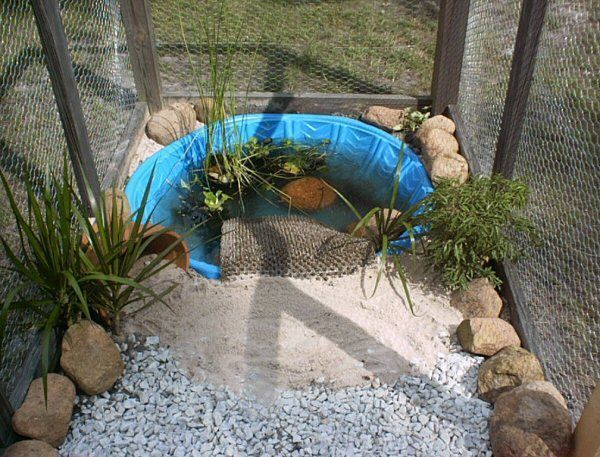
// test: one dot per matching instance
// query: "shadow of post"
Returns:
(379, 360)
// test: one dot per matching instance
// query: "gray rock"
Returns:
(414, 416)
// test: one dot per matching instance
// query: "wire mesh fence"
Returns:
(355, 46)
(559, 157)
(489, 43)
(32, 141)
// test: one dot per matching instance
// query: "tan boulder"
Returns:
(507, 369)
(171, 123)
(30, 448)
(382, 117)
(46, 423)
(436, 142)
(480, 299)
(486, 335)
(442, 167)
(437, 122)
(308, 194)
(113, 196)
(531, 420)
(90, 357)
(205, 108)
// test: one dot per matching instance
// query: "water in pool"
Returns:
(339, 171)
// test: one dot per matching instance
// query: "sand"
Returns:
(264, 334)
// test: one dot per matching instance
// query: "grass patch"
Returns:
(355, 46)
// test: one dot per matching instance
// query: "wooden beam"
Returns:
(130, 141)
(310, 103)
(451, 34)
(531, 23)
(139, 29)
(66, 94)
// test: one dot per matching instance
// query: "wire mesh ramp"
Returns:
(292, 246)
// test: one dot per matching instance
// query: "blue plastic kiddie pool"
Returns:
(374, 151)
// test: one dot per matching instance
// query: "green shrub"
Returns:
(474, 224)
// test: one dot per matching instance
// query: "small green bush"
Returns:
(474, 224)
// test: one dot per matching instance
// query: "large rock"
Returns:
(31, 448)
(116, 197)
(531, 420)
(437, 142)
(443, 167)
(480, 299)
(509, 368)
(382, 117)
(486, 335)
(437, 122)
(171, 123)
(50, 424)
(90, 357)
(308, 194)
(204, 109)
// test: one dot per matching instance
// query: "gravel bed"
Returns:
(156, 410)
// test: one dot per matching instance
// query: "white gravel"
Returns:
(155, 410)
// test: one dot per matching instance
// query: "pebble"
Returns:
(155, 409)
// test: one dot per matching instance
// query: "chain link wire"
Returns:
(559, 157)
(31, 137)
(323, 46)
(489, 44)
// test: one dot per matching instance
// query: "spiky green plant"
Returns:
(48, 261)
(383, 225)
(474, 224)
(116, 243)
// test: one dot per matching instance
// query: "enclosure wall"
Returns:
(355, 46)
(32, 141)
(556, 283)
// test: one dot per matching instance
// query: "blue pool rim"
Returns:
(376, 149)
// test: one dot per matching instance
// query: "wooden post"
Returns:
(531, 22)
(60, 68)
(142, 49)
(452, 30)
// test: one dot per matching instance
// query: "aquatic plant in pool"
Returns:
(360, 162)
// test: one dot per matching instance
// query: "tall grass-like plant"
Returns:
(474, 224)
(217, 97)
(48, 260)
(70, 263)
(383, 225)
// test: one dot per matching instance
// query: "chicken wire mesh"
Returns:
(559, 157)
(489, 43)
(327, 46)
(31, 137)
